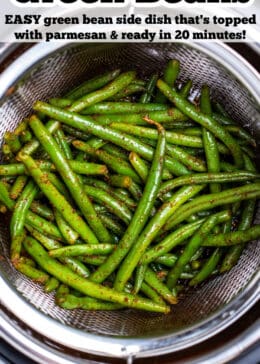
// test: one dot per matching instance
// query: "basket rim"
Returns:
(138, 347)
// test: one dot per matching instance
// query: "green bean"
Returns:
(208, 202)
(32, 219)
(82, 249)
(123, 199)
(150, 231)
(93, 259)
(208, 268)
(19, 216)
(209, 140)
(42, 210)
(249, 151)
(113, 205)
(17, 169)
(88, 168)
(80, 156)
(131, 89)
(51, 285)
(151, 293)
(18, 186)
(249, 164)
(121, 139)
(219, 108)
(76, 266)
(109, 90)
(188, 275)
(92, 84)
(35, 274)
(58, 200)
(233, 238)
(12, 141)
(193, 131)
(139, 165)
(225, 177)
(232, 257)
(71, 181)
(195, 242)
(138, 82)
(193, 163)
(142, 168)
(26, 136)
(205, 104)
(167, 259)
(122, 192)
(139, 277)
(171, 137)
(75, 133)
(199, 252)
(135, 190)
(228, 167)
(223, 119)
(165, 117)
(170, 241)
(196, 152)
(112, 225)
(157, 268)
(43, 226)
(196, 264)
(41, 116)
(125, 196)
(7, 182)
(122, 107)
(96, 143)
(54, 179)
(116, 164)
(33, 145)
(27, 261)
(227, 226)
(180, 155)
(72, 263)
(170, 75)
(191, 218)
(152, 280)
(21, 127)
(234, 253)
(118, 180)
(16, 246)
(115, 150)
(70, 235)
(63, 290)
(236, 207)
(13, 169)
(149, 89)
(141, 214)
(205, 120)
(60, 102)
(70, 302)
(85, 286)
(61, 140)
(185, 89)
(241, 133)
(6, 150)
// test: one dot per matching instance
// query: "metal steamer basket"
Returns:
(29, 318)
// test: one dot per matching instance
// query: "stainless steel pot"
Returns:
(49, 70)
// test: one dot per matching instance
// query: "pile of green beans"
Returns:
(125, 192)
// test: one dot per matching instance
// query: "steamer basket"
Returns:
(49, 70)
